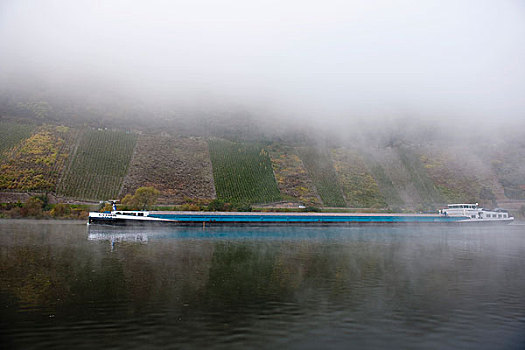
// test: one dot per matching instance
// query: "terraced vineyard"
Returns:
(36, 163)
(11, 134)
(454, 184)
(179, 167)
(378, 165)
(291, 175)
(242, 172)
(508, 164)
(99, 165)
(359, 187)
(403, 179)
(418, 177)
(321, 170)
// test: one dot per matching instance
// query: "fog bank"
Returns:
(332, 61)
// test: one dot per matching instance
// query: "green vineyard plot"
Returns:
(321, 170)
(242, 172)
(12, 134)
(100, 163)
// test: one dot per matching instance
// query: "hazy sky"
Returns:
(335, 59)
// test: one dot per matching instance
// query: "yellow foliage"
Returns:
(36, 163)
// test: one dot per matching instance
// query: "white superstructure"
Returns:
(475, 213)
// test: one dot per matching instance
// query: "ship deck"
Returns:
(265, 217)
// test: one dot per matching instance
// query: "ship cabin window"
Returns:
(504, 215)
(141, 214)
(119, 213)
(499, 215)
(473, 216)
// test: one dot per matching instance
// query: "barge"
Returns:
(454, 214)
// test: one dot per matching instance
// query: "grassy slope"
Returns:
(359, 186)
(321, 171)
(242, 172)
(179, 167)
(99, 165)
(291, 175)
(37, 162)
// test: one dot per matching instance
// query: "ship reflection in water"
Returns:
(117, 237)
(143, 234)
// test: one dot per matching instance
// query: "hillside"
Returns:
(179, 167)
(360, 189)
(11, 134)
(320, 168)
(292, 177)
(99, 165)
(36, 162)
(242, 172)
(86, 163)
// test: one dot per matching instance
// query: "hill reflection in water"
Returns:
(378, 287)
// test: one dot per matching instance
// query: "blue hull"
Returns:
(303, 219)
(269, 219)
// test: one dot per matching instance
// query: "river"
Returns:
(64, 285)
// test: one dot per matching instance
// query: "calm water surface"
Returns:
(66, 286)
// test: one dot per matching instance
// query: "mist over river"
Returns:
(66, 285)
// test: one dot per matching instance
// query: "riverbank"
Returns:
(43, 221)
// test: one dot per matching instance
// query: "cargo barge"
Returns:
(466, 214)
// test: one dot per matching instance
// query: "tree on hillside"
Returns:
(129, 202)
(146, 197)
(143, 199)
